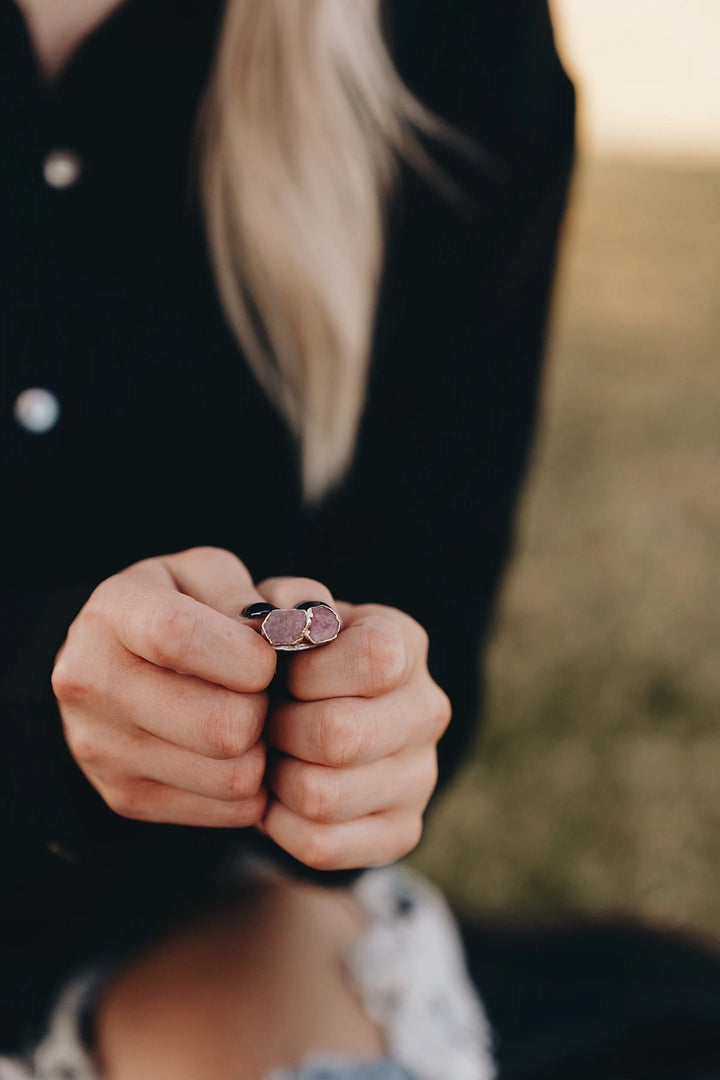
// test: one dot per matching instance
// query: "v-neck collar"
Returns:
(124, 17)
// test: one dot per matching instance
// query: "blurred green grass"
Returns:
(595, 783)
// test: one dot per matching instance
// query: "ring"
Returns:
(306, 626)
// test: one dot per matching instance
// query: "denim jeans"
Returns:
(347, 1070)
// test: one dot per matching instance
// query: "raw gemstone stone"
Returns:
(285, 626)
(324, 625)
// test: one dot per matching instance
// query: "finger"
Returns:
(180, 710)
(377, 651)
(330, 796)
(369, 841)
(175, 631)
(210, 721)
(119, 757)
(215, 577)
(146, 800)
(348, 731)
(287, 592)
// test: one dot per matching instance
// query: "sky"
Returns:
(648, 72)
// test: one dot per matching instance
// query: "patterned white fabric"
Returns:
(60, 1055)
(410, 972)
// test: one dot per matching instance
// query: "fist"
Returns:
(354, 758)
(162, 691)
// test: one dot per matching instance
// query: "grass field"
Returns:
(595, 786)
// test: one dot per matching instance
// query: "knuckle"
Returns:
(85, 748)
(226, 599)
(441, 710)
(258, 705)
(236, 786)
(319, 852)
(77, 679)
(248, 812)
(222, 735)
(104, 596)
(315, 590)
(384, 657)
(409, 835)
(257, 758)
(250, 716)
(414, 833)
(433, 771)
(340, 732)
(317, 795)
(259, 672)
(421, 638)
(287, 591)
(69, 679)
(246, 775)
(429, 777)
(209, 551)
(222, 558)
(172, 634)
(125, 800)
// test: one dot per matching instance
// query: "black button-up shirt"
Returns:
(163, 439)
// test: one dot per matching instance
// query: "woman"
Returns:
(271, 333)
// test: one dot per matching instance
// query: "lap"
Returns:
(248, 988)
(274, 978)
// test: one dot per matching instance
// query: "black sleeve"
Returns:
(424, 522)
(35, 759)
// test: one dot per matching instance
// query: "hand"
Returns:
(161, 691)
(357, 762)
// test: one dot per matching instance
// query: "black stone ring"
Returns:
(257, 611)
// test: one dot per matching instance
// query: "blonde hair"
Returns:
(303, 121)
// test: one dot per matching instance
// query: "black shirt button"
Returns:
(36, 410)
(62, 169)
(60, 852)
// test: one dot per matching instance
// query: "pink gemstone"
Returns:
(285, 626)
(324, 626)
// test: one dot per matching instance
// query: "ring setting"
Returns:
(307, 626)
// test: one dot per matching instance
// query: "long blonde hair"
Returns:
(303, 122)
